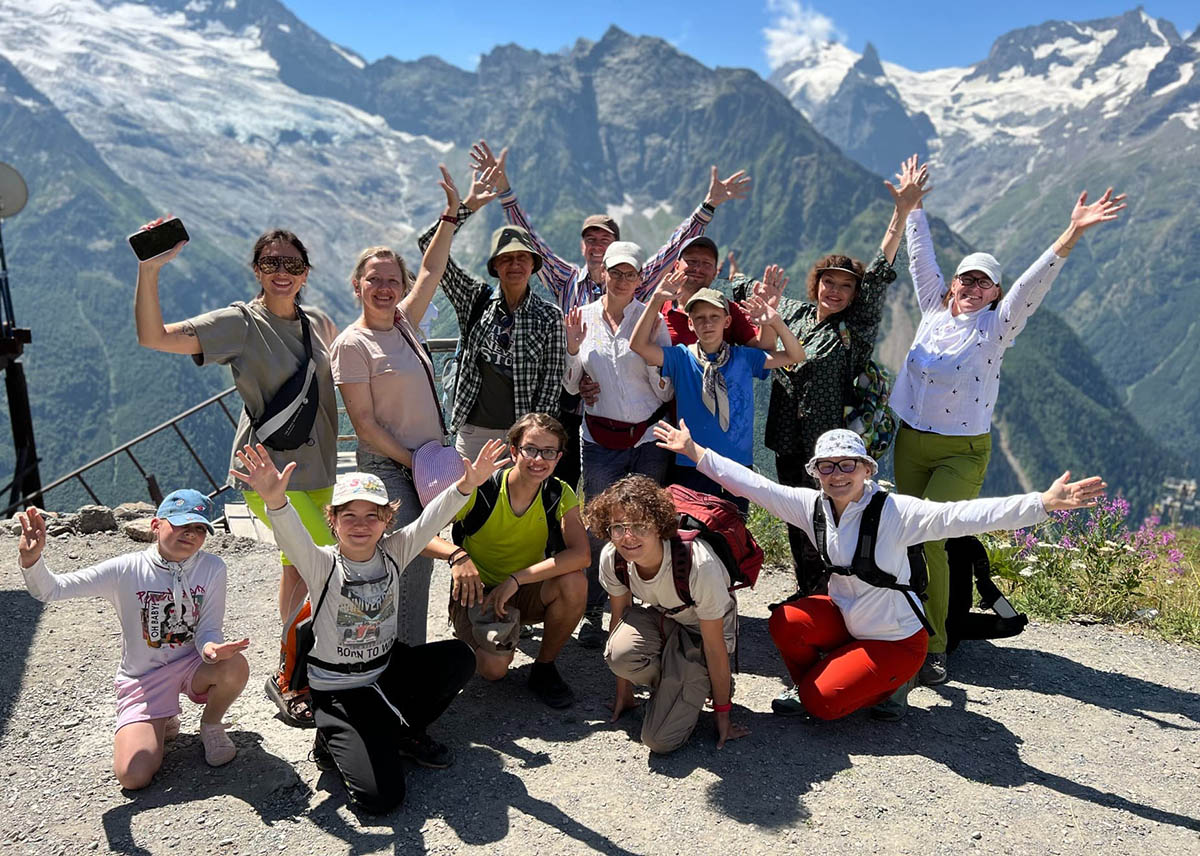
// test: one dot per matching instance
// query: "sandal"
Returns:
(294, 708)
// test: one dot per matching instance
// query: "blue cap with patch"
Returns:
(181, 507)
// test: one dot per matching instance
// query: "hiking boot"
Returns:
(788, 703)
(933, 673)
(171, 728)
(218, 748)
(592, 634)
(425, 751)
(896, 705)
(321, 756)
(548, 685)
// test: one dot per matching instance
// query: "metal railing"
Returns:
(436, 346)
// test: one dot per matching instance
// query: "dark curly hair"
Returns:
(633, 498)
(833, 261)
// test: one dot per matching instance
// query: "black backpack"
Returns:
(970, 571)
(863, 565)
(488, 493)
(287, 420)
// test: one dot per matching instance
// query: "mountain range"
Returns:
(238, 117)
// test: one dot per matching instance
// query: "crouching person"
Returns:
(679, 639)
(373, 696)
(523, 533)
(170, 601)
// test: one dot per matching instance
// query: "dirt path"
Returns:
(1063, 740)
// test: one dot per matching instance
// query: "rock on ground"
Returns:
(1065, 740)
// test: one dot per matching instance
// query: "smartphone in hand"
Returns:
(148, 243)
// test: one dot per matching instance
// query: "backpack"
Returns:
(970, 571)
(450, 367)
(867, 414)
(863, 565)
(486, 496)
(715, 521)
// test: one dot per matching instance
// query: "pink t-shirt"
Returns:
(400, 393)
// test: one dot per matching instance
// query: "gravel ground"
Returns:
(1063, 740)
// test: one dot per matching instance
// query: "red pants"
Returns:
(853, 673)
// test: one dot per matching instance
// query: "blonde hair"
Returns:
(387, 513)
(385, 253)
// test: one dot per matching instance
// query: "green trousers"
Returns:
(941, 468)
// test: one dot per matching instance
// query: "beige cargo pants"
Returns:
(650, 649)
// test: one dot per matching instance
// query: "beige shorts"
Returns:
(494, 635)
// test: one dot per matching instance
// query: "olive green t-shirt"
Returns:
(263, 351)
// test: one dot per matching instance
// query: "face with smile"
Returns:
(381, 286)
(540, 468)
(358, 526)
(708, 322)
(622, 280)
(592, 245)
(278, 283)
(836, 290)
(972, 290)
(840, 487)
(178, 543)
(636, 539)
(700, 268)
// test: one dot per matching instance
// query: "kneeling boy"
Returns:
(170, 601)
(680, 650)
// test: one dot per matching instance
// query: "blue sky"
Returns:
(717, 32)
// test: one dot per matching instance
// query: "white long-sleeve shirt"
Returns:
(166, 609)
(630, 389)
(357, 621)
(950, 379)
(870, 612)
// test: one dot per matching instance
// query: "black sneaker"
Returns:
(321, 756)
(933, 672)
(425, 751)
(548, 685)
(591, 630)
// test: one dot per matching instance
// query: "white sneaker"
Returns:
(218, 748)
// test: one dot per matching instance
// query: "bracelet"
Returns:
(723, 708)
(457, 554)
(446, 218)
(707, 207)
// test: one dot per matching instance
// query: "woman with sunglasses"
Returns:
(263, 343)
(947, 387)
(864, 642)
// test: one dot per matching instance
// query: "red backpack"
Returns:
(717, 522)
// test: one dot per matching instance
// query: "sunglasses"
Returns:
(533, 453)
(827, 468)
(292, 265)
(980, 282)
(617, 531)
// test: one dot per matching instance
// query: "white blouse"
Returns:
(951, 377)
(871, 612)
(630, 389)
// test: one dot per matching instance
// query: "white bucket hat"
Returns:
(839, 443)
(352, 486)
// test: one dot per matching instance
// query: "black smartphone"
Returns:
(148, 243)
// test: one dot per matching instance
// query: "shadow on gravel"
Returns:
(265, 782)
(19, 615)
(1003, 668)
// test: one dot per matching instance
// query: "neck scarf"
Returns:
(178, 572)
(713, 391)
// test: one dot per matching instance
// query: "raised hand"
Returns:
(1063, 495)
(668, 287)
(33, 536)
(452, 195)
(157, 262)
(576, 330)
(1084, 216)
(263, 477)
(678, 440)
(720, 190)
(215, 652)
(482, 160)
(491, 457)
(771, 287)
(911, 185)
(761, 313)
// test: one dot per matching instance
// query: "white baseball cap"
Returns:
(352, 486)
(984, 262)
(623, 252)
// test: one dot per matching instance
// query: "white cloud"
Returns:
(796, 30)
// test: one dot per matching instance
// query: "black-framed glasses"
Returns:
(980, 282)
(827, 468)
(628, 275)
(533, 453)
(617, 531)
(292, 265)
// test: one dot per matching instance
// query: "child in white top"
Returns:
(170, 601)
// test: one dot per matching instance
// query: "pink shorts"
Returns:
(155, 695)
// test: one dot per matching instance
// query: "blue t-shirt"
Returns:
(743, 366)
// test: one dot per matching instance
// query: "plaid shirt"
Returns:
(572, 286)
(539, 341)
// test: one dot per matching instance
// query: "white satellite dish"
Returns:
(13, 192)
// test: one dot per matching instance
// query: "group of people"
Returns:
(635, 376)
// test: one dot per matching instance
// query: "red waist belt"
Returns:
(616, 435)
